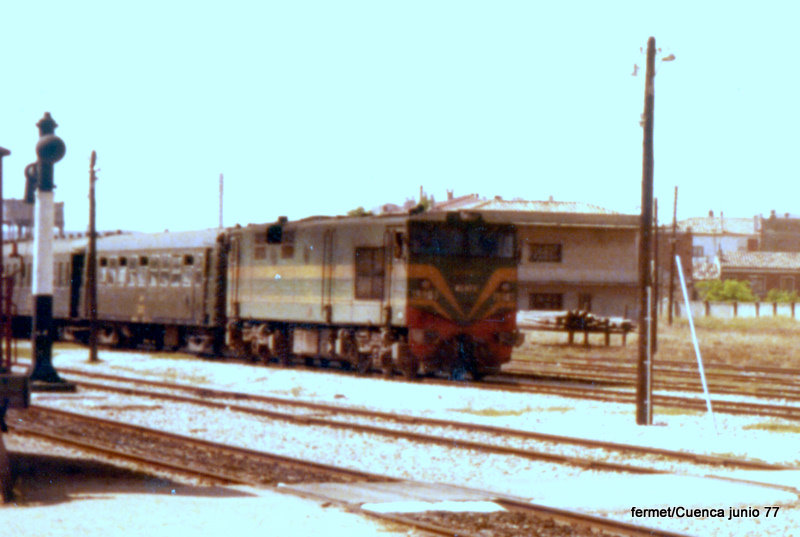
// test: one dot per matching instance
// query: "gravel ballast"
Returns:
(594, 492)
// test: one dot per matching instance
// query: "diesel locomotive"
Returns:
(414, 293)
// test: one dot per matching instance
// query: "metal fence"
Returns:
(745, 310)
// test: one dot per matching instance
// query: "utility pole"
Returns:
(5, 290)
(656, 283)
(221, 181)
(672, 253)
(644, 401)
(91, 265)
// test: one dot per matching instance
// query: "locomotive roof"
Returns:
(166, 240)
(497, 217)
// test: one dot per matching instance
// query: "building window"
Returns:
(787, 283)
(546, 301)
(370, 272)
(752, 245)
(287, 246)
(545, 253)
(697, 251)
(757, 284)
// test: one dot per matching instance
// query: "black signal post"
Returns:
(39, 176)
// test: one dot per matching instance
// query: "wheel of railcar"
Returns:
(263, 354)
(282, 349)
(324, 363)
(363, 364)
(409, 367)
(477, 375)
(385, 359)
(465, 359)
(108, 336)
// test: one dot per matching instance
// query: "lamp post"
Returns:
(49, 150)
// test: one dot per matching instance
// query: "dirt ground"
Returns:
(60, 492)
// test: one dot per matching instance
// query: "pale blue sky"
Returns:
(317, 107)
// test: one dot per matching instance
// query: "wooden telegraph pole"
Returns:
(91, 266)
(644, 401)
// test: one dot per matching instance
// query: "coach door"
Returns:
(326, 296)
(394, 288)
(76, 280)
(234, 263)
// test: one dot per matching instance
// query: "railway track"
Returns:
(764, 382)
(225, 464)
(483, 438)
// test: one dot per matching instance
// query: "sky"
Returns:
(318, 107)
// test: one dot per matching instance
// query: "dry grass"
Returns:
(744, 342)
(491, 412)
(774, 427)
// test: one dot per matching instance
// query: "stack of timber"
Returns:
(572, 321)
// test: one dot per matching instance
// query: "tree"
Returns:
(359, 211)
(725, 291)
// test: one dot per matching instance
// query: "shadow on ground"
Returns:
(46, 479)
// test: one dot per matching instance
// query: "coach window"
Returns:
(165, 270)
(370, 272)
(188, 269)
(155, 264)
(113, 268)
(133, 269)
(143, 268)
(175, 274)
(103, 270)
(122, 271)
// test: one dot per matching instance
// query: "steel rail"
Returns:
(137, 430)
(587, 521)
(604, 524)
(412, 421)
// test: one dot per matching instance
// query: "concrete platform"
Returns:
(603, 492)
(394, 491)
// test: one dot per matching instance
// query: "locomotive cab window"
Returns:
(370, 273)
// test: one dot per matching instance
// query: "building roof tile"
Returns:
(761, 260)
(717, 225)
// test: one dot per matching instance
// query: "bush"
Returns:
(725, 291)
(779, 295)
